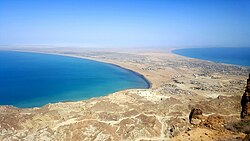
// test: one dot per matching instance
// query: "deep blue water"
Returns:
(33, 79)
(236, 56)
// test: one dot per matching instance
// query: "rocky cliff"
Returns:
(245, 102)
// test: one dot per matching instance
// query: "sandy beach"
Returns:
(161, 112)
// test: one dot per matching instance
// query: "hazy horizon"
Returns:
(125, 23)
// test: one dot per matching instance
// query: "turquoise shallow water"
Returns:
(230, 55)
(33, 79)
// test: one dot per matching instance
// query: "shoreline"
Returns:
(149, 84)
(208, 60)
(113, 63)
(179, 84)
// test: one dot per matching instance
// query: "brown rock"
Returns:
(195, 116)
(195, 121)
(245, 102)
(214, 122)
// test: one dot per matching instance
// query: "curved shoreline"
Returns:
(148, 83)
(93, 59)
(209, 60)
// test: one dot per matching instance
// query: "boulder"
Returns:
(195, 116)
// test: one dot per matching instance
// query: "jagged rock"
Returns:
(195, 116)
(211, 121)
(245, 102)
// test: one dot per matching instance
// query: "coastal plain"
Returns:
(178, 84)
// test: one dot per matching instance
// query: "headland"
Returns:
(178, 84)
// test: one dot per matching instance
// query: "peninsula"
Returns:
(179, 85)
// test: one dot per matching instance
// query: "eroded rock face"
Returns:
(245, 102)
(195, 116)
(211, 121)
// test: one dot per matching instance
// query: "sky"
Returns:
(121, 23)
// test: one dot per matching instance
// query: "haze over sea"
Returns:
(229, 55)
(33, 79)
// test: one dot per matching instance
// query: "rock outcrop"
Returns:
(211, 121)
(195, 116)
(245, 102)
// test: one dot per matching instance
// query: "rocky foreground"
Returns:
(189, 100)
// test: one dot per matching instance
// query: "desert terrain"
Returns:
(162, 112)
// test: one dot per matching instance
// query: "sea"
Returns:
(34, 79)
(228, 55)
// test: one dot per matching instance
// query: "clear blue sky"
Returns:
(164, 23)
